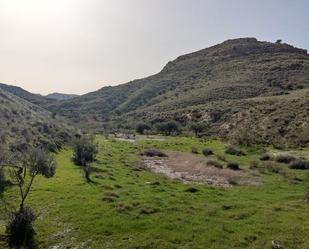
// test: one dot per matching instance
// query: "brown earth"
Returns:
(189, 167)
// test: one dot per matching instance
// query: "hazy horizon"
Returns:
(79, 46)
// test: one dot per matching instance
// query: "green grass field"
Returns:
(125, 208)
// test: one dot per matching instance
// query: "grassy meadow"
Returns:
(126, 207)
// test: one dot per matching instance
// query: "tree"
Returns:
(168, 127)
(85, 151)
(27, 167)
(33, 163)
(197, 128)
(142, 127)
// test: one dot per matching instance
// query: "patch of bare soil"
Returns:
(188, 167)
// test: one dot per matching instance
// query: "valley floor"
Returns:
(127, 207)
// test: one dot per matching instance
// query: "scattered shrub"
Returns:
(142, 127)
(265, 157)
(253, 165)
(168, 128)
(194, 150)
(207, 152)
(197, 128)
(271, 167)
(221, 157)
(284, 158)
(299, 164)
(233, 166)
(20, 229)
(213, 163)
(232, 179)
(2, 178)
(233, 150)
(191, 190)
(85, 151)
(153, 153)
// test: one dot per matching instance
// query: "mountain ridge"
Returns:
(222, 78)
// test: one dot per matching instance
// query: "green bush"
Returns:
(142, 127)
(299, 164)
(168, 128)
(85, 151)
(233, 150)
(153, 153)
(207, 152)
(265, 157)
(213, 163)
(20, 229)
(233, 166)
(284, 158)
(194, 150)
(197, 128)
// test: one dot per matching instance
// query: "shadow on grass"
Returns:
(4, 186)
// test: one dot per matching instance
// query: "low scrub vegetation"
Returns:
(153, 153)
(299, 164)
(194, 150)
(168, 128)
(284, 158)
(213, 163)
(233, 150)
(233, 166)
(207, 152)
(265, 157)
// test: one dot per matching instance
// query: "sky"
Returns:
(79, 46)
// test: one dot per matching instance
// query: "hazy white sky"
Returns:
(77, 46)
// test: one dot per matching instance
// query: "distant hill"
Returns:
(31, 97)
(232, 72)
(23, 124)
(61, 96)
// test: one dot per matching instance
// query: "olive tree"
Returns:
(168, 128)
(142, 127)
(198, 128)
(23, 173)
(84, 153)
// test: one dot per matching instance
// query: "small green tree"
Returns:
(84, 153)
(142, 127)
(31, 164)
(168, 128)
(198, 128)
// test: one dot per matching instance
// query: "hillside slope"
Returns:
(36, 99)
(23, 123)
(281, 120)
(236, 69)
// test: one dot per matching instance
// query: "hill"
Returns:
(36, 99)
(60, 96)
(23, 123)
(226, 75)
